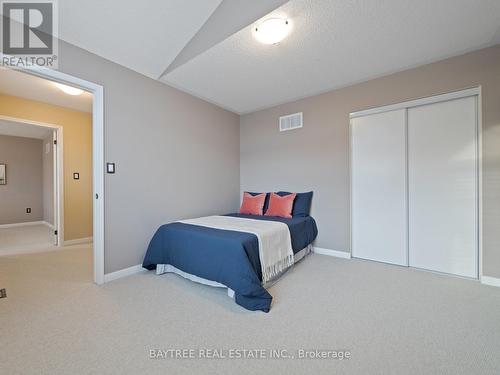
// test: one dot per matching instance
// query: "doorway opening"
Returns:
(65, 233)
(31, 159)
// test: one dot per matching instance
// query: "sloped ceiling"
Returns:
(145, 36)
(149, 36)
(206, 47)
(335, 44)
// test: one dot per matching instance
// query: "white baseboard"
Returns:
(78, 241)
(28, 223)
(332, 253)
(488, 280)
(48, 224)
(123, 273)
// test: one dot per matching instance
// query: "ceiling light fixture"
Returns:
(69, 90)
(272, 30)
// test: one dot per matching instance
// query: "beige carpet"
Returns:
(393, 320)
(28, 238)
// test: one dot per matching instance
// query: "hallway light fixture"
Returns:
(272, 30)
(68, 89)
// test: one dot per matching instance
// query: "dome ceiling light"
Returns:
(272, 30)
(68, 89)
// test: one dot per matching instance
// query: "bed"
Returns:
(226, 258)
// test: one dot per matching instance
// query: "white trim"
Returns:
(58, 181)
(349, 166)
(419, 102)
(479, 120)
(58, 175)
(25, 224)
(488, 280)
(29, 122)
(97, 151)
(476, 187)
(407, 190)
(332, 253)
(123, 273)
(78, 241)
(98, 178)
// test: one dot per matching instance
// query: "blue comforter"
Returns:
(228, 257)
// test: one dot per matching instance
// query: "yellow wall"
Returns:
(77, 143)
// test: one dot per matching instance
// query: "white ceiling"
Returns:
(17, 129)
(229, 17)
(333, 43)
(145, 36)
(30, 87)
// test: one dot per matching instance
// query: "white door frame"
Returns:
(58, 173)
(57, 160)
(97, 156)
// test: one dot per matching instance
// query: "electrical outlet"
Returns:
(3, 293)
(28, 210)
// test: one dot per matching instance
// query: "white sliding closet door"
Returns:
(442, 178)
(378, 172)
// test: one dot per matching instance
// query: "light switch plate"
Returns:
(110, 167)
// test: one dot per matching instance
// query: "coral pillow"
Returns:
(252, 204)
(266, 202)
(281, 206)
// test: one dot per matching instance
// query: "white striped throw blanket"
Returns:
(275, 245)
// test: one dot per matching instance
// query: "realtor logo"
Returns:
(29, 33)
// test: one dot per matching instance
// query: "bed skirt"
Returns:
(168, 268)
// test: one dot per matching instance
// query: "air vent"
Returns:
(290, 122)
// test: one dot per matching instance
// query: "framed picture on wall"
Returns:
(3, 174)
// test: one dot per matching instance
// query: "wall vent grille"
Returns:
(291, 122)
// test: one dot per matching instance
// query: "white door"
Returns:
(378, 172)
(442, 178)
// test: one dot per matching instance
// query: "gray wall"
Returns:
(316, 157)
(23, 157)
(48, 181)
(176, 156)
